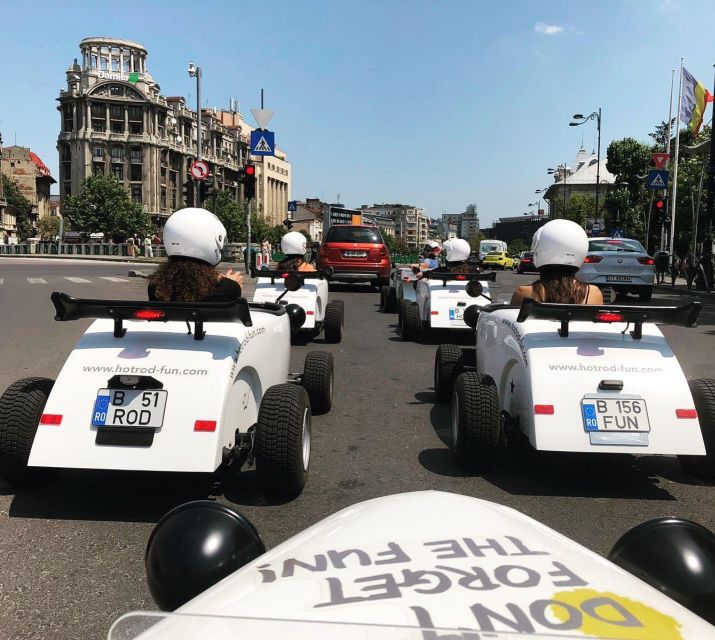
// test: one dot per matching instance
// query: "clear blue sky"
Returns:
(434, 103)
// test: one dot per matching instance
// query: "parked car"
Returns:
(355, 253)
(621, 263)
(498, 260)
(526, 262)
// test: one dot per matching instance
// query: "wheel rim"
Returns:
(306, 439)
(455, 419)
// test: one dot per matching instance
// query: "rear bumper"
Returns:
(355, 276)
(356, 273)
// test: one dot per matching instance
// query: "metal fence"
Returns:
(79, 249)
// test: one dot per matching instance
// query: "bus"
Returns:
(485, 246)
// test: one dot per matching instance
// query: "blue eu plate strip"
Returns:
(101, 408)
(590, 421)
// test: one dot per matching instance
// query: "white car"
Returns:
(171, 387)
(425, 565)
(440, 302)
(621, 264)
(577, 378)
(399, 288)
(312, 297)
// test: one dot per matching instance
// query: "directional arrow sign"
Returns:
(263, 142)
(657, 179)
(660, 160)
(262, 116)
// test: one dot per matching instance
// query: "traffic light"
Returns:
(661, 209)
(206, 188)
(247, 176)
(188, 191)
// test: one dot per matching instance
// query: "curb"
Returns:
(64, 256)
(688, 292)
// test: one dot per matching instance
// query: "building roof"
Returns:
(584, 170)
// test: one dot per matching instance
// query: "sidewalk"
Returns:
(66, 256)
(681, 287)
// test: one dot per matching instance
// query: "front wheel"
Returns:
(411, 322)
(333, 322)
(283, 439)
(317, 380)
(703, 392)
(476, 428)
(446, 368)
(21, 407)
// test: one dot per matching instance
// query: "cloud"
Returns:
(547, 29)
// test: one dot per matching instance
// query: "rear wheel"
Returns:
(21, 406)
(383, 299)
(282, 442)
(447, 359)
(391, 303)
(703, 392)
(410, 329)
(645, 294)
(476, 429)
(333, 322)
(318, 380)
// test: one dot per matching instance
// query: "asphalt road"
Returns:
(73, 551)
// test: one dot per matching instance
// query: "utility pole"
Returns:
(195, 72)
(708, 244)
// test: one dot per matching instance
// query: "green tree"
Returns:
(48, 228)
(517, 246)
(230, 213)
(21, 207)
(103, 204)
(580, 207)
(660, 135)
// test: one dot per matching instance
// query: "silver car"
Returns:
(620, 263)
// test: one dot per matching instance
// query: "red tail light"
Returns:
(50, 418)
(648, 261)
(460, 277)
(405, 279)
(686, 413)
(609, 316)
(205, 425)
(435, 313)
(592, 259)
(526, 259)
(383, 252)
(310, 313)
(148, 314)
(544, 409)
(285, 275)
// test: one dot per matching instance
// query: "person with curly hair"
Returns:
(193, 239)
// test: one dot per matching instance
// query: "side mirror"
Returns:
(474, 288)
(193, 547)
(293, 282)
(676, 557)
(296, 314)
(471, 316)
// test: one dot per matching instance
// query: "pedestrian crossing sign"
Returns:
(263, 142)
(658, 179)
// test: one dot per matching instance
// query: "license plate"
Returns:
(615, 415)
(129, 408)
(355, 254)
(618, 278)
(457, 313)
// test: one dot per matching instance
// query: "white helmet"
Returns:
(433, 245)
(194, 233)
(457, 249)
(559, 243)
(293, 243)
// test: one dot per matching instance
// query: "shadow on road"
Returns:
(555, 474)
(344, 287)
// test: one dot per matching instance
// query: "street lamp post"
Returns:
(596, 115)
(195, 72)
(544, 190)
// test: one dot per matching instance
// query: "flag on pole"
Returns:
(695, 99)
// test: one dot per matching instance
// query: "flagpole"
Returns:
(667, 150)
(675, 168)
(708, 244)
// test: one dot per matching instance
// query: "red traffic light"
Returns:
(659, 204)
(250, 170)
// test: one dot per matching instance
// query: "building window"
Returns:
(116, 90)
(136, 120)
(93, 61)
(99, 114)
(118, 171)
(136, 190)
(135, 172)
(125, 60)
(117, 154)
(98, 169)
(68, 188)
(68, 124)
(135, 154)
(163, 197)
(104, 58)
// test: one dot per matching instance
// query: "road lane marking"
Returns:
(2, 281)
(37, 281)
(76, 279)
(113, 279)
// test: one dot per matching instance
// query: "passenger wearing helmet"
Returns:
(430, 253)
(457, 257)
(559, 249)
(294, 245)
(193, 239)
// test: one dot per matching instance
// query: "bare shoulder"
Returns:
(594, 295)
(522, 292)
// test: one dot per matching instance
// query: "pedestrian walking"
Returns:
(131, 249)
(314, 248)
(148, 249)
(266, 251)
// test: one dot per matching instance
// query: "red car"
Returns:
(356, 253)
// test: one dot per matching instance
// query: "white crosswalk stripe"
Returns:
(113, 279)
(37, 281)
(76, 279)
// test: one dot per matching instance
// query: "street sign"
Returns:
(263, 117)
(263, 142)
(292, 205)
(660, 160)
(618, 232)
(657, 179)
(199, 170)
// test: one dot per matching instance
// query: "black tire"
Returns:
(411, 323)
(333, 322)
(447, 359)
(703, 392)
(383, 299)
(20, 409)
(281, 460)
(391, 304)
(645, 293)
(341, 304)
(318, 380)
(476, 428)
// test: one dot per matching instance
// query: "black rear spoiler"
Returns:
(281, 273)
(467, 277)
(686, 314)
(69, 308)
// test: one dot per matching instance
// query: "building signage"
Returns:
(119, 75)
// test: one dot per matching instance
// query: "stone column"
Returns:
(107, 125)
